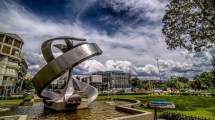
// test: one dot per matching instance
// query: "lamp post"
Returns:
(158, 70)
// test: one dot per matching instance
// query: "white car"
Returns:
(157, 90)
(108, 91)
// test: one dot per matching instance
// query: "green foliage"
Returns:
(165, 87)
(27, 99)
(204, 81)
(11, 97)
(27, 85)
(178, 116)
(146, 86)
(190, 105)
(135, 82)
(191, 84)
(190, 24)
(173, 84)
(183, 79)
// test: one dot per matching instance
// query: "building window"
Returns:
(13, 60)
(15, 52)
(6, 49)
(1, 38)
(17, 44)
(10, 70)
(9, 40)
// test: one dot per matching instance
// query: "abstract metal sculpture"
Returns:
(62, 66)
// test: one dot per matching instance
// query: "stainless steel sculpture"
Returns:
(63, 65)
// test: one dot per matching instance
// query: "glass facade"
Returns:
(117, 79)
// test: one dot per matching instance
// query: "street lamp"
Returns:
(158, 70)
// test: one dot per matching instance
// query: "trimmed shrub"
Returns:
(27, 99)
(11, 97)
(178, 116)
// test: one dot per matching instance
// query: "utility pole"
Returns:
(158, 70)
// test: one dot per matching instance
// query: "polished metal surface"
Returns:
(63, 65)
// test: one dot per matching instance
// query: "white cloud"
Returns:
(152, 9)
(132, 50)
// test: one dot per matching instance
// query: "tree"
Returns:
(192, 85)
(146, 86)
(213, 71)
(135, 82)
(190, 24)
(204, 81)
(27, 84)
(183, 79)
(173, 84)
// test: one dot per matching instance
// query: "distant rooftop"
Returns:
(13, 35)
(113, 71)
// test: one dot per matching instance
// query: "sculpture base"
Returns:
(61, 106)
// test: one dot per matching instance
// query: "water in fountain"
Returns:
(100, 110)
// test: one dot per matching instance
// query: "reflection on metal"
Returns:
(63, 65)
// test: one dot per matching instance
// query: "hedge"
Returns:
(181, 93)
(178, 116)
(11, 98)
(27, 99)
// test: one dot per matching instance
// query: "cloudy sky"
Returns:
(127, 31)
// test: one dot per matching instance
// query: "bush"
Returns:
(11, 97)
(213, 95)
(185, 93)
(27, 99)
(179, 116)
(128, 94)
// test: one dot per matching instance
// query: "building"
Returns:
(13, 66)
(94, 80)
(116, 80)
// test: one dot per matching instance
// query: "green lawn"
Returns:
(191, 105)
(16, 100)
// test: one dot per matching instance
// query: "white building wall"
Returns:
(96, 78)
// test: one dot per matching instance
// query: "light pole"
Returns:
(158, 70)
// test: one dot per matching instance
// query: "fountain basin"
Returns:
(15, 117)
(100, 110)
(59, 106)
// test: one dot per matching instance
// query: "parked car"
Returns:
(108, 91)
(27, 93)
(157, 90)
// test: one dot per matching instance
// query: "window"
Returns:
(10, 70)
(9, 40)
(15, 52)
(1, 38)
(6, 49)
(13, 60)
(17, 44)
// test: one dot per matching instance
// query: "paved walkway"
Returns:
(37, 99)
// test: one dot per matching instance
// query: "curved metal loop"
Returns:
(56, 67)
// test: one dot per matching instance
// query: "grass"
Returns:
(16, 100)
(189, 105)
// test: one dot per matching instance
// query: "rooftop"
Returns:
(13, 35)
